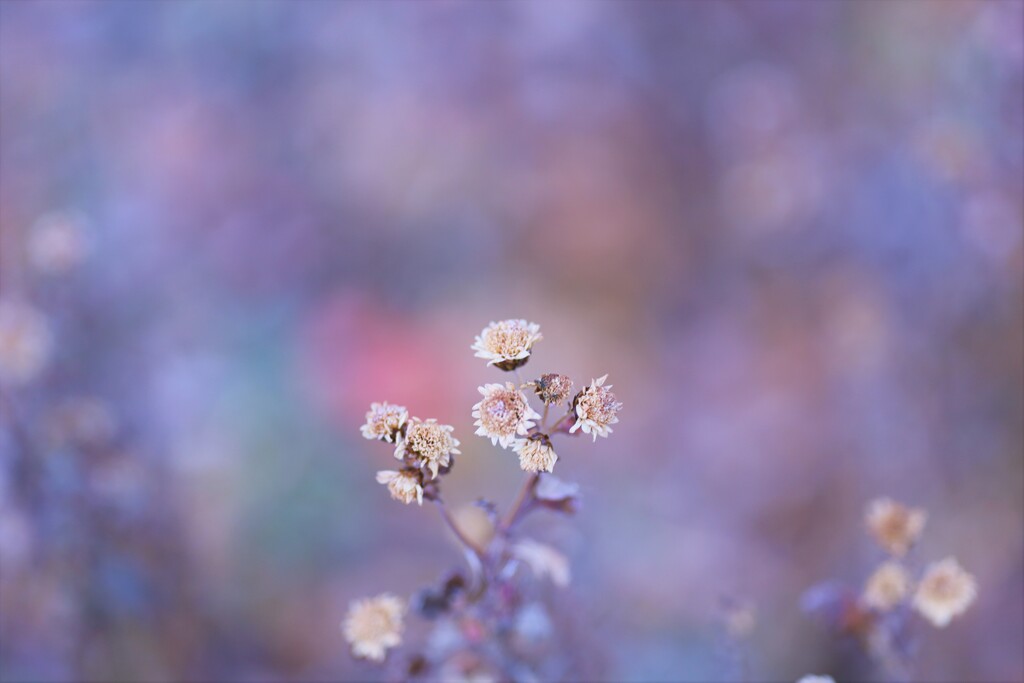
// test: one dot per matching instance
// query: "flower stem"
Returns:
(457, 531)
(518, 507)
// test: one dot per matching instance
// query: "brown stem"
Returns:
(458, 532)
(517, 507)
(544, 419)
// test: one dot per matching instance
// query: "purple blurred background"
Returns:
(791, 232)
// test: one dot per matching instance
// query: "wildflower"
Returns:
(507, 344)
(946, 591)
(553, 388)
(57, 243)
(555, 494)
(543, 560)
(404, 485)
(596, 409)
(812, 678)
(536, 453)
(427, 444)
(894, 526)
(503, 413)
(384, 421)
(887, 586)
(374, 625)
(25, 342)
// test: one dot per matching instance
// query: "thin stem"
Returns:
(457, 531)
(544, 419)
(517, 507)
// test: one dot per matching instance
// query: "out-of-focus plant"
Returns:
(886, 616)
(486, 628)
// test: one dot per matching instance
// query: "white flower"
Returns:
(887, 586)
(503, 414)
(507, 344)
(374, 625)
(536, 454)
(404, 486)
(811, 678)
(384, 421)
(946, 591)
(894, 526)
(596, 409)
(427, 444)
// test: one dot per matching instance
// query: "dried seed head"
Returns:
(374, 625)
(894, 526)
(596, 409)
(384, 422)
(405, 485)
(536, 453)
(507, 344)
(553, 388)
(25, 342)
(887, 586)
(503, 414)
(946, 591)
(427, 444)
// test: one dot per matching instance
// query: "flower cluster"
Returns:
(945, 590)
(504, 416)
(423, 446)
(879, 615)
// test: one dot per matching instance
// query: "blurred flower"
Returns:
(404, 485)
(507, 344)
(83, 420)
(427, 444)
(887, 586)
(374, 625)
(812, 678)
(543, 560)
(57, 243)
(739, 617)
(553, 388)
(503, 413)
(536, 453)
(894, 526)
(384, 421)
(25, 342)
(556, 494)
(596, 409)
(946, 591)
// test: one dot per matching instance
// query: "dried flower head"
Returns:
(403, 485)
(25, 342)
(57, 243)
(427, 444)
(503, 414)
(374, 625)
(543, 560)
(384, 421)
(507, 344)
(946, 591)
(596, 409)
(536, 453)
(894, 526)
(553, 388)
(887, 586)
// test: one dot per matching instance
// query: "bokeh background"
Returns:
(791, 232)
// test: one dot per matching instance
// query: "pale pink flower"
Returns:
(374, 625)
(503, 414)
(507, 344)
(596, 409)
